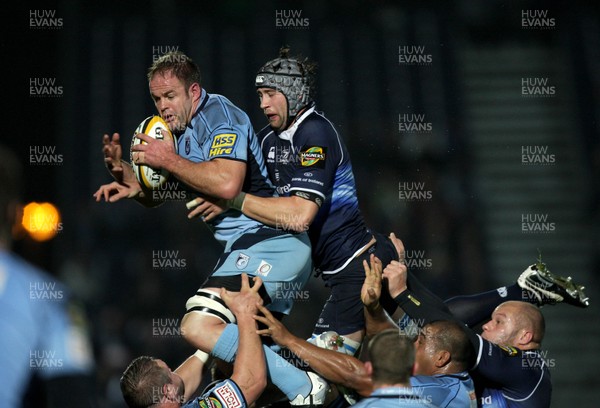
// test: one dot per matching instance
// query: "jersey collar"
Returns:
(203, 99)
(288, 134)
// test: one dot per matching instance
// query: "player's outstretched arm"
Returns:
(116, 191)
(249, 368)
(336, 367)
(291, 213)
(190, 372)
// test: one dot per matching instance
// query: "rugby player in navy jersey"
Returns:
(510, 369)
(218, 155)
(149, 382)
(309, 164)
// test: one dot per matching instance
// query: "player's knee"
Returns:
(201, 331)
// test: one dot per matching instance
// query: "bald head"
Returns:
(517, 324)
(529, 317)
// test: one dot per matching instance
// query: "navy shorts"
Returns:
(343, 310)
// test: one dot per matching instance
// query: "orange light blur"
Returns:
(41, 221)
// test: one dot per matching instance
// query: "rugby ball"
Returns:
(157, 128)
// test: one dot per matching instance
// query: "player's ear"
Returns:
(526, 336)
(170, 391)
(442, 358)
(195, 90)
(369, 368)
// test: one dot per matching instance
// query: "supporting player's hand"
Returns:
(154, 153)
(275, 329)
(371, 289)
(113, 154)
(205, 207)
(247, 300)
(396, 271)
(111, 148)
(115, 191)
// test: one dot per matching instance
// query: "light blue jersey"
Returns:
(225, 394)
(219, 129)
(40, 335)
(446, 391)
(395, 397)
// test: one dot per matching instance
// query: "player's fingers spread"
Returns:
(115, 197)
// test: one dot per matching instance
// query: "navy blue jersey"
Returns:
(310, 157)
(503, 376)
(506, 377)
(219, 129)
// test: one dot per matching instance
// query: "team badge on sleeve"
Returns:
(227, 394)
(313, 156)
(210, 402)
(242, 261)
(223, 145)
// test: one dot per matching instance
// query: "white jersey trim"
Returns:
(347, 261)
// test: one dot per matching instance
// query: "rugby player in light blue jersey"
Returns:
(149, 382)
(219, 156)
(392, 361)
(43, 332)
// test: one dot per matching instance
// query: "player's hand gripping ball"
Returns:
(157, 128)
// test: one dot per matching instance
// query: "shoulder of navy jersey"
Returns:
(508, 374)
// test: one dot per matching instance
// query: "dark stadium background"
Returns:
(466, 231)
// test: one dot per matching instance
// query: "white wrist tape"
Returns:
(201, 355)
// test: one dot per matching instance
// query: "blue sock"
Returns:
(289, 379)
